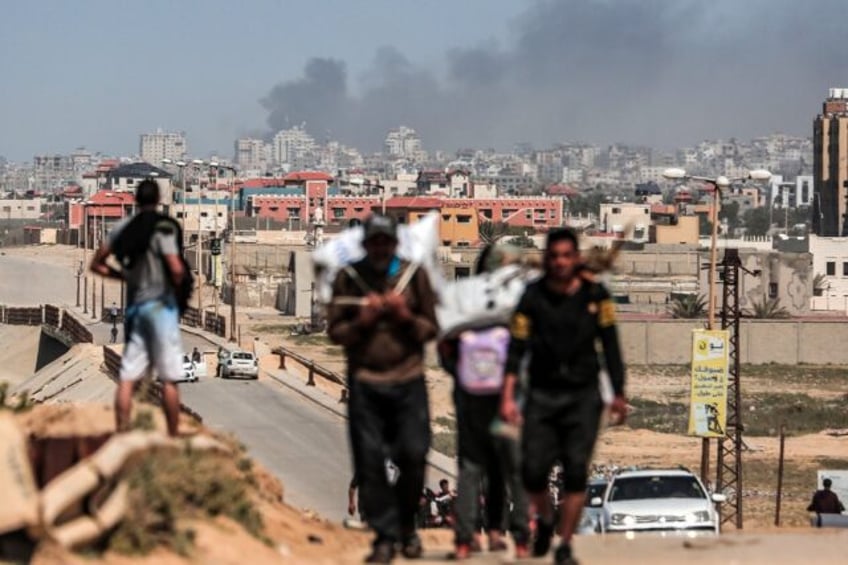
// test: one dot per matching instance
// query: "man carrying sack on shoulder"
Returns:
(383, 313)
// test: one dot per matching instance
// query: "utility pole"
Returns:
(233, 323)
(729, 469)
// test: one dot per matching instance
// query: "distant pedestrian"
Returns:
(825, 501)
(148, 248)
(113, 313)
(222, 359)
(383, 338)
(196, 356)
(558, 322)
(113, 334)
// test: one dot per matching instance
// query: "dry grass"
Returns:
(168, 490)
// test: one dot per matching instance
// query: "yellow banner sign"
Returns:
(708, 398)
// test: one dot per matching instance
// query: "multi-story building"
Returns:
(793, 194)
(402, 142)
(830, 266)
(153, 147)
(126, 178)
(294, 148)
(626, 220)
(52, 171)
(252, 154)
(830, 165)
(21, 209)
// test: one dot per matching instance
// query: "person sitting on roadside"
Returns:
(825, 501)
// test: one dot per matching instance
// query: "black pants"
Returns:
(487, 465)
(559, 425)
(389, 421)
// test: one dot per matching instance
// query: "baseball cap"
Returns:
(380, 225)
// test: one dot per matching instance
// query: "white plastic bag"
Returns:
(417, 243)
(482, 300)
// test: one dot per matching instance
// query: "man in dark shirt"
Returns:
(825, 501)
(557, 322)
(383, 312)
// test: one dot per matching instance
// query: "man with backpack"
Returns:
(148, 248)
(487, 461)
(558, 322)
(382, 313)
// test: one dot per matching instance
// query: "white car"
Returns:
(189, 370)
(671, 500)
(240, 363)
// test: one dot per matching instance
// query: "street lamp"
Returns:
(213, 168)
(232, 171)
(718, 183)
(181, 165)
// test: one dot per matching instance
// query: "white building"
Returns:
(153, 147)
(626, 220)
(830, 260)
(252, 155)
(795, 193)
(651, 174)
(294, 147)
(21, 209)
(403, 142)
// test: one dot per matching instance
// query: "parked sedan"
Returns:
(240, 363)
(659, 500)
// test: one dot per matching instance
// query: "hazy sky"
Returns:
(462, 72)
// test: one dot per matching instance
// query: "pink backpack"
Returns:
(482, 357)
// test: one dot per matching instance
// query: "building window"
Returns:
(830, 268)
(616, 210)
(487, 213)
(338, 213)
(293, 212)
(446, 217)
(772, 290)
(462, 272)
(463, 219)
(204, 214)
(845, 269)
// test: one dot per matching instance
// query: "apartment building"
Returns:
(153, 147)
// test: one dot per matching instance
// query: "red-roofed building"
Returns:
(299, 177)
(101, 212)
(562, 190)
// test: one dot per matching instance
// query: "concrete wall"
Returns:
(669, 342)
(789, 275)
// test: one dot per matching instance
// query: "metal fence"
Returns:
(312, 369)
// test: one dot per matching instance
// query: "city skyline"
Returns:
(482, 74)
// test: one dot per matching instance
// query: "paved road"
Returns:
(305, 446)
(302, 444)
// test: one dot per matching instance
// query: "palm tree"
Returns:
(766, 309)
(687, 306)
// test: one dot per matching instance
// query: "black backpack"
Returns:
(135, 239)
